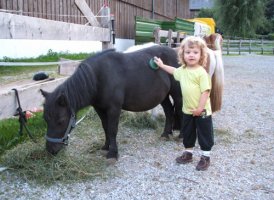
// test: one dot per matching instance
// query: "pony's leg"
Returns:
(178, 113)
(113, 115)
(102, 115)
(169, 111)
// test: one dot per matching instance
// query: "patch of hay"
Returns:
(32, 162)
(141, 120)
(80, 160)
(223, 136)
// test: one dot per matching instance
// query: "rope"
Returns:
(22, 117)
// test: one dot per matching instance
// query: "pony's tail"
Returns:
(216, 94)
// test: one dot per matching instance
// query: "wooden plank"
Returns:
(23, 27)
(44, 9)
(67, 68)
(30, 9)
(29, 94)
(20, 6)
(48, 9)
(3, 4)
(83, 6)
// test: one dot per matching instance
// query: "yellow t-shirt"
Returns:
(193, 83)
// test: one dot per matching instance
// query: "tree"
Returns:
(239, 17)
(206, 12)
(269, 14)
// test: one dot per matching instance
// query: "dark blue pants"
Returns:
(201, 127)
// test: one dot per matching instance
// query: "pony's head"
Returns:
(60, 120)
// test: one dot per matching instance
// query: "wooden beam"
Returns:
(23, 27)
(84, 8)
(29, 94)
(67, 68)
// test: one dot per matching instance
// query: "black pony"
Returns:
(111, 81)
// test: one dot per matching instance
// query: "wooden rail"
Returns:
(172, 38)
(239, 46)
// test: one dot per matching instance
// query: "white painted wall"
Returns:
(15, 48)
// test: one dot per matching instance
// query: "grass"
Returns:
(9, 129)
(81, 159)
(51, 56)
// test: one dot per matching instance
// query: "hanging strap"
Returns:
(22, 117)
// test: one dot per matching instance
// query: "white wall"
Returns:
(15, 48)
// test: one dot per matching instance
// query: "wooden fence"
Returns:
(240, 46)
(124, 11)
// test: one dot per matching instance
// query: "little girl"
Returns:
(195, 85)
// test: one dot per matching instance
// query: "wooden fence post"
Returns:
(262, 46)
(169, 37)
(249, 46)
(227, 47)
(156, 35)
(240, 45)
(178, 39)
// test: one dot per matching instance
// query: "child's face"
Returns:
(192, 55)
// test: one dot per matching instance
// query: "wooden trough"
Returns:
(29, 91)
(29, 94)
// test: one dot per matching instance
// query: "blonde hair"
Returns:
(190, 42)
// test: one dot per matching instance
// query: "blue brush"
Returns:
(153, 65)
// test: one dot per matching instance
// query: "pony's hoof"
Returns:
(179, 139)
(104, 152)
(113, 155)
(111, 161)
(165, 137)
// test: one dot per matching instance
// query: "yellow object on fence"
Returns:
(210, 22)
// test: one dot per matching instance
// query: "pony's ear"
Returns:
(62, 100)
(44, 93)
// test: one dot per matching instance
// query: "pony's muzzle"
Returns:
(53, 148)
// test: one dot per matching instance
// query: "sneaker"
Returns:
(203, 163)
(185, 158)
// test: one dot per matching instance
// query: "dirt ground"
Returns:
(241, 162)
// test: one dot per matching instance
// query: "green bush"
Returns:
(270, 36)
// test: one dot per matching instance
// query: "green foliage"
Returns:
(269, 12)
(51, 56)
(206, 12)
(240, 17)
(270, 36)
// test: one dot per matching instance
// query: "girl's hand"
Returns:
(197, 112)
(158, 61)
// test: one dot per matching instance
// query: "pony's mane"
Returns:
(83, 76)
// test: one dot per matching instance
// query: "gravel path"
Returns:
(242, 158)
